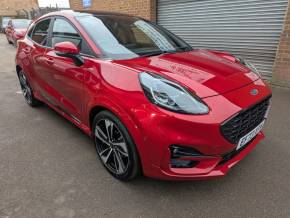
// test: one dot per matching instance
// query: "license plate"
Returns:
(245, 139)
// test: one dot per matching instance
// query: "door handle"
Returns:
(49, 61)
(26, 51)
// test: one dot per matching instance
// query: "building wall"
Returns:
(281, 72)
(142, 8)
(9, 7)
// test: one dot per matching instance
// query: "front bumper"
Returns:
(207, 168)
(200, 132)
(16, 37)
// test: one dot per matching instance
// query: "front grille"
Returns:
(245, 121)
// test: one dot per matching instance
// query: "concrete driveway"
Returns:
(49, 168)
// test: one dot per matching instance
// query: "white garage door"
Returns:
(248, 28)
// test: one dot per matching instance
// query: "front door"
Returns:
(65, 78)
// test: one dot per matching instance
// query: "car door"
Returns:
(33, 51)
(65, 79)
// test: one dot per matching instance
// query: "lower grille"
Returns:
(232, 154)
(245, 121)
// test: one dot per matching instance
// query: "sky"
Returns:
(60, 3)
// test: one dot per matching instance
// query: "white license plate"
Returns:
(245, 139)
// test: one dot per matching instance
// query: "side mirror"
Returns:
(70, 50)
(66, 48)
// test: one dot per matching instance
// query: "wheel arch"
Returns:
(93, 112)
(134, 130)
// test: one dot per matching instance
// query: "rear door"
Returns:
(34, 50)
(64, 78)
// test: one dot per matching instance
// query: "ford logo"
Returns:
(254, 92)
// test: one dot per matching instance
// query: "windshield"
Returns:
(124, 37)
(21, 23)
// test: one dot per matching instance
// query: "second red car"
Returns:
(16, 30)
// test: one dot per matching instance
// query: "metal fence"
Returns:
(35, 13)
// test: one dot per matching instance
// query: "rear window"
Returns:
(40, 32)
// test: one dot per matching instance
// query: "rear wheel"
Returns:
(9, 41)
(115, 146)
(27, 91)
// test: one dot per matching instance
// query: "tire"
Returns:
(115, 147)
(27, 91)
(9, 41)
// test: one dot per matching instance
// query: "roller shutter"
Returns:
(248, 28)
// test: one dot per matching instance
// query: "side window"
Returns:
(40, 32)
(63, 31)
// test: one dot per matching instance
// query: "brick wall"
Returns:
(142, 8)
(281, 70)
(9, 7)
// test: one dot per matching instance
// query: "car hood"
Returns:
(207, 73)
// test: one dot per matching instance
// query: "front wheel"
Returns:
(27, 91)
(115, 146)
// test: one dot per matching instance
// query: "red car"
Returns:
(16, 29)
(151, 102)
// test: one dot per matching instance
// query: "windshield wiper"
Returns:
(155, 53)
(185, 48)
(159, 52)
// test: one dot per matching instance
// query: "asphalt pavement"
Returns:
(49, 168)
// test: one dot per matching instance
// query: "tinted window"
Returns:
(40, 32)
(123, 37)
(63, 31)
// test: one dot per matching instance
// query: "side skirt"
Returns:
(67, 116)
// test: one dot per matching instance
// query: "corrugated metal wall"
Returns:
(248, 28)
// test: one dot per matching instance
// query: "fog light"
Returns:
(178, 152)
(181, 151)
(178, 163)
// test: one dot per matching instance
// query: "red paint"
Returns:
(222, 83)
(66, 47)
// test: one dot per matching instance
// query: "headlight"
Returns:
(249, 65)
(170, 95)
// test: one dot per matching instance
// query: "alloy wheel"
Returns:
(111, 146)
(26, 90)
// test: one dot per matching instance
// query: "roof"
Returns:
(103, 13)
(82, 13)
